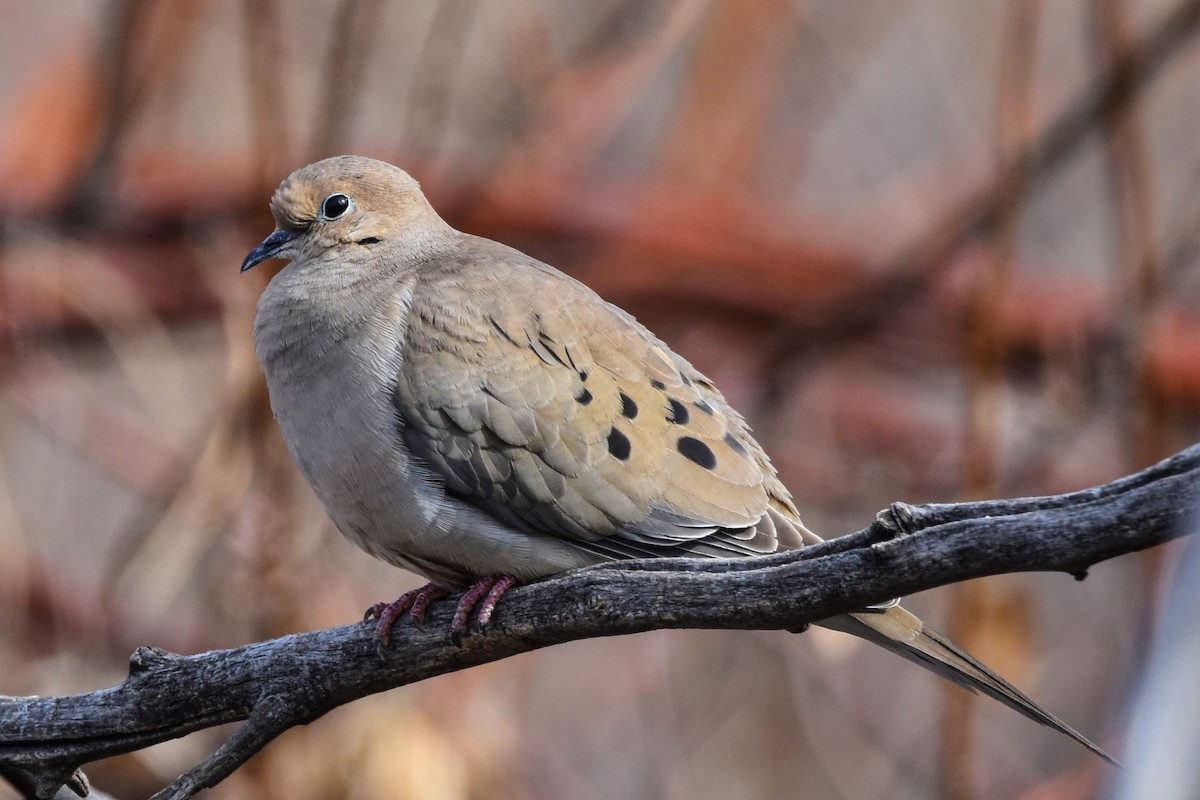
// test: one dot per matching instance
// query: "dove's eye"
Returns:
(335, 205)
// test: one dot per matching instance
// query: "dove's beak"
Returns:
(270, 248)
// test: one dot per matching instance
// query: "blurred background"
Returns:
(933, 251)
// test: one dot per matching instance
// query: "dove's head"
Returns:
(349, 202)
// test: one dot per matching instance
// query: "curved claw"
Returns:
(374, 612)
(417, 601)
(481, 598)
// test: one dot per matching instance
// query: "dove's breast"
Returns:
(331, 369)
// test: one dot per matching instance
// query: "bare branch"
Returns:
(292, 680)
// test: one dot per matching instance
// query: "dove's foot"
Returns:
(482, 599)
(417, 602)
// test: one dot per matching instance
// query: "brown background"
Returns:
(917, 243)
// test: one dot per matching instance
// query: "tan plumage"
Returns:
(465, 411)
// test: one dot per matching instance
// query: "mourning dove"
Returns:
(469, 413)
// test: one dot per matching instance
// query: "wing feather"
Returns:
(560, 414)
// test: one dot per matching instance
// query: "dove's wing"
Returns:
(560, 414)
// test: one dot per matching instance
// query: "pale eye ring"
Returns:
(335, 206)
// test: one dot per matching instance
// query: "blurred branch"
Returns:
(973, 611)
(1129, 71)
(143, 47)
(293, 680)
(438, 67)
(1140, 263)
(265, 70)
(355, 24)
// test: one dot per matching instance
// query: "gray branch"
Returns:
(293, 680)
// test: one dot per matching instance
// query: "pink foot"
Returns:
(417, 601)
(482, 597)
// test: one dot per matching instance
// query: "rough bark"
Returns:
(276, 684)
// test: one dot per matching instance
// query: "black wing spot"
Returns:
(584, 397)
(657, 384)
(583, 374)
(619, 445)
(686, 380)
(696, 451)
(629, 409)
(704, 406)
(734, 444)
(679, 413)
(367, 240)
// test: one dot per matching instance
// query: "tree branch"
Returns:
(292, 680)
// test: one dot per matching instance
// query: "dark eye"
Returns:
(334, 206)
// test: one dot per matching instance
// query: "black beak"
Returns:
(269, 248)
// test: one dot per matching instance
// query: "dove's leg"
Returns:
(482, 597)
(416, 601)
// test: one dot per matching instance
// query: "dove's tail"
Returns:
(904, 634)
